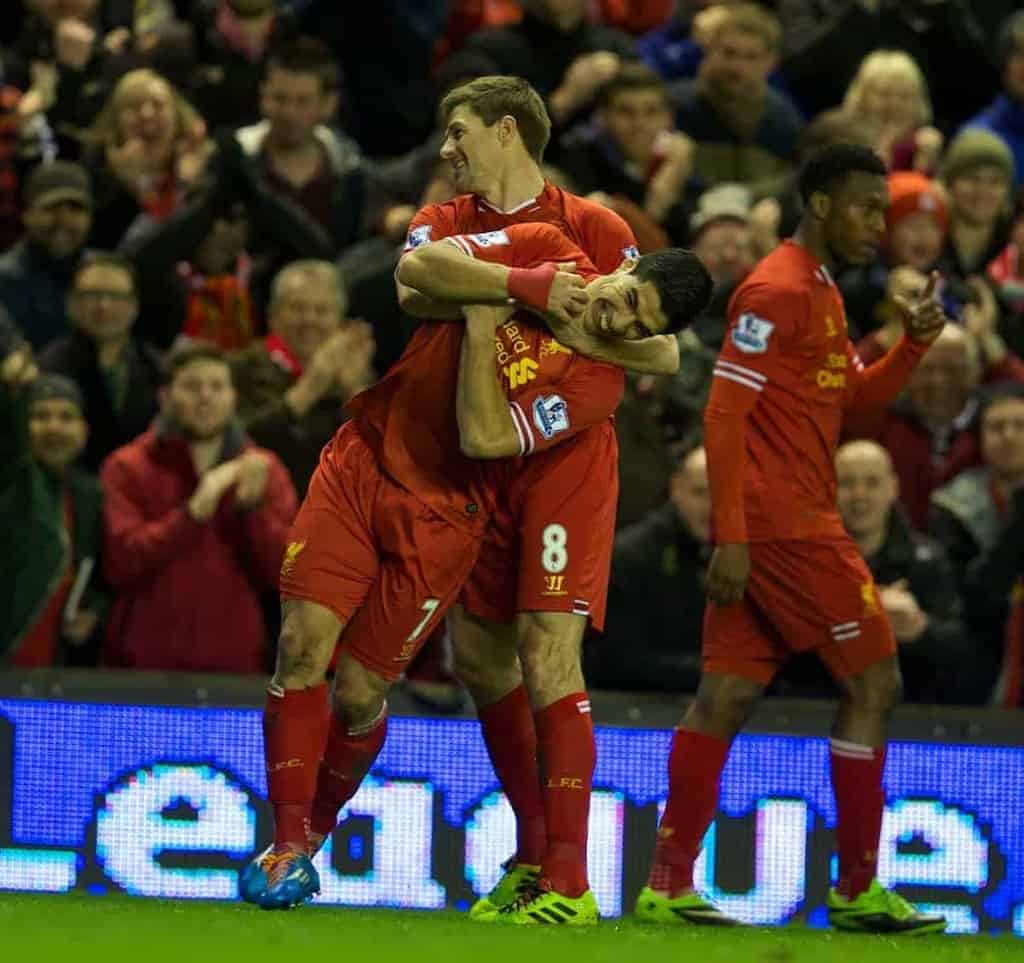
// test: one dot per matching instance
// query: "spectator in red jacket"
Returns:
(929, 433)
(196, 518)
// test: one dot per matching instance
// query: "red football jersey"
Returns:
(553, 392)
(601, 234)
(408, 417)
(784, 377)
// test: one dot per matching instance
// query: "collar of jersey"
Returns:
(512, 210)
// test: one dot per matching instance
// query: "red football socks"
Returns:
(294, 731)
(347, 760)
(511, 740)
(565, 744)
(694, 768)
(857, 783)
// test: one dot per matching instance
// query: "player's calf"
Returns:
(295, 721)
(549, 650)
(486, 657)
(355, 737)
(487, 662)
(549, 647)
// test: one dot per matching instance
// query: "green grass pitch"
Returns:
(82, 929)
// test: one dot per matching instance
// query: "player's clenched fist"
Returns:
(568, 296)
(728, 573)
(557, 293)
(923, 318)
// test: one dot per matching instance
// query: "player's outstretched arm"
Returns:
(449, 271)
(486, 426)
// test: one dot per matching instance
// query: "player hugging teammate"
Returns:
(488, 487)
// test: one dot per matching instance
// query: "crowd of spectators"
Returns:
(202, 203)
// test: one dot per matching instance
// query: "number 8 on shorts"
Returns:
(555, 555)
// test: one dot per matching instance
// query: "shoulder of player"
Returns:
(589, 214)
(453, 213)
(784, 271)
(770, 288)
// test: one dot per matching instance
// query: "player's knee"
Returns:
(723, 704)
(309, 633)
(359, 693)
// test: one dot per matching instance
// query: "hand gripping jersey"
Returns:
(408, 417)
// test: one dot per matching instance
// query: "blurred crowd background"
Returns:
(202, 203)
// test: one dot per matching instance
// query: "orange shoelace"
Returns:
(276, 865)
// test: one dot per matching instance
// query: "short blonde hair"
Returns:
(883, 63)
(753, 19)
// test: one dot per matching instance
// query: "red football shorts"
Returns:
(802, 596)
(549, 547)
(371, 552)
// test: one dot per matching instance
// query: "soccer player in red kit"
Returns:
(391, 527)
(555, 514)
(785, 577)
(496, 132)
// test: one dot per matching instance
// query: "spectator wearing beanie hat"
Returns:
(1005, 115)
(977, 173)
(916, 222)
(51, 514)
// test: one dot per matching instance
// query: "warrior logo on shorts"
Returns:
(870, 599)
(291, 553)
(553, 585)
(550, 415)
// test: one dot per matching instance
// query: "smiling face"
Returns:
(635, 118)
(623, 307)
(916, 241)
(60, 228)
(306, 312)
(57, 433)
(474, 151)
(867, 487)
(979, 194)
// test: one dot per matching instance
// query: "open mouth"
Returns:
(603, 315)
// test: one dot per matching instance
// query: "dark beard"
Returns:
(191, 435)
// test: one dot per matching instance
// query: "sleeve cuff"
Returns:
(527, 441)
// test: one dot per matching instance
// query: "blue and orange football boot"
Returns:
(291, 880)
